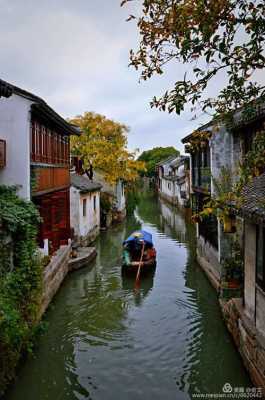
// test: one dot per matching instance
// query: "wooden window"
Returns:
(95, 202)
(2, 153)
(67, 150)
(206, 157)
(41, 134)
(60, 149)
(56, 148)
(31, 141)
(260, 257)
(48, 146)
(84, 207)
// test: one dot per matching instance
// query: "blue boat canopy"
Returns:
(140, 235)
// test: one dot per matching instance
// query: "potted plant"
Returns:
(229, 223)
(196, 218)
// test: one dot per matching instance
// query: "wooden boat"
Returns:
(138, 242)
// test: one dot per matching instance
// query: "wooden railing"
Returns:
(47, 179)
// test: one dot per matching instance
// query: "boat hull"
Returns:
(146, 267)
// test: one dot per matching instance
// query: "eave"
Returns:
(48, 115)
(6, 89)
(40, 107)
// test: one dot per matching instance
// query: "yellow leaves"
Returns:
(104, 144)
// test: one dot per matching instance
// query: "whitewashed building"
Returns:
(173, 180)
(234, 259)
(84, 209)
(116, 196)
(35, 157)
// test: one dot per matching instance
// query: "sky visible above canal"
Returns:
(74, 54)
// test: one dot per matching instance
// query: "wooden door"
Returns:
(55, 213)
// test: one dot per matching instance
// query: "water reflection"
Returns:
(106, 341)
(146, 285)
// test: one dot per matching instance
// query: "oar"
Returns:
(137, 280)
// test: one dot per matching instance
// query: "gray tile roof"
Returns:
(6, 90)
(166, 161)
(84, 184)
(39, 107)
(179, 160)
(254, 198)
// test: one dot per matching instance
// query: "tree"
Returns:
(154, 156)
(103, 144)
(209, 36)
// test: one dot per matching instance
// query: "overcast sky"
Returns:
(74, 54)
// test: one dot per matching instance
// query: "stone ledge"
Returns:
(53, 276)
(56, 261)
(209, 271)
(90, 237)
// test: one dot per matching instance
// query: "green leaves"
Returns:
(154, 156)
(211, 36)
(20, 284)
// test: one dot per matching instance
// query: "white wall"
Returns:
(15, 129)
(120, 196)
(183, 187)
(172, 188)
(74, 210)
(92, 218)
(167, 168)
(116, 189)
(168, 187)
(84, 224)
(221, 146)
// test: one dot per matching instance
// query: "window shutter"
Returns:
(2, 153)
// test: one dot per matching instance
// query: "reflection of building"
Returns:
(147, 283)
(173, 180)
(208, 341)
(36, 146)
(174, 220)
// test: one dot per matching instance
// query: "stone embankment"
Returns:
(58, 268)
(248, 340)
(250, 343)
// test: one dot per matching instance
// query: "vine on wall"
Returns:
(20, 283)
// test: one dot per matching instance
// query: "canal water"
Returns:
(107, 342)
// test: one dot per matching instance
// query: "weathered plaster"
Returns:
(15, 129)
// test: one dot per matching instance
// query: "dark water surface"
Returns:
(106, 342)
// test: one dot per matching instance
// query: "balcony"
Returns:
(44, 180)
(201, 179)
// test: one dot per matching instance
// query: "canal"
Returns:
(107, 342)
